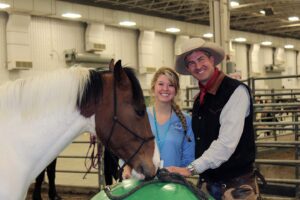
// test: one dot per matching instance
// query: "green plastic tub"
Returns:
(152, 191)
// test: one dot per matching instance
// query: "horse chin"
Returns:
(137, 175)
(149, 173)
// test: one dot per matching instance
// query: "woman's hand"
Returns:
(179, 170)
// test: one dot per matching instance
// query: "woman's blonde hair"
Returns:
(174, 80)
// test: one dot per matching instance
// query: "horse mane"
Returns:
(94, 87)
(57, 91)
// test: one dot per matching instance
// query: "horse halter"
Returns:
(117, 121)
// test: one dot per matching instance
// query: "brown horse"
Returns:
(39, 117)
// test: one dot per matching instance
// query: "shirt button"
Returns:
(199, 117)
(198, 138)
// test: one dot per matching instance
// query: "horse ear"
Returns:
(111, 65)
(120, 74)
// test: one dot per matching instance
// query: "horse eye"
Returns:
(140, 112)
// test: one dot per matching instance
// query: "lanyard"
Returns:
(161, 138)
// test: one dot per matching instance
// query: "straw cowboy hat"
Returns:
(197, 44)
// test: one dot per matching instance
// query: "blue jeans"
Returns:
(238, 188)
(215, 190)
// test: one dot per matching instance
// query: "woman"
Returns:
(171, 127)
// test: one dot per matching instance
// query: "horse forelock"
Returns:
(51, 92)
(92, 90)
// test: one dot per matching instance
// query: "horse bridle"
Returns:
(117, 121)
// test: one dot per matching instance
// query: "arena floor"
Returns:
(67, 193)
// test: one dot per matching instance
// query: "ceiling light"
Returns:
(266, 43)
(4, 5)
(208, 35)
(173, 30)
(234, 3)
(71, 15)
(293, 18)
(289, 46)
(127, 23)
(240, 39)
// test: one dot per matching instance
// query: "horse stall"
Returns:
(277, 131)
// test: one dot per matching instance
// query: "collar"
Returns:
(214, 88)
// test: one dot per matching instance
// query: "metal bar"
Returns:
(275, 145)
(80, 142)
(274, 128)
(277, 94)
(279, 142)
(275, 111)
(287, 181)
(276, 77)
(275, 123)
(76, 171)
(71, 156)
(276, 104)
(278, 162)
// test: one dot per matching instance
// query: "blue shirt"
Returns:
(175, 149)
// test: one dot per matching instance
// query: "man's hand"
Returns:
(126, 172)
(180, 170)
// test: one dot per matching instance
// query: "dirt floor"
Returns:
(67, 193)
(277, 171)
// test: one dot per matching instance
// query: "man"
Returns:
(222, 123)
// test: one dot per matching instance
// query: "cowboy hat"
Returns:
(197, 44)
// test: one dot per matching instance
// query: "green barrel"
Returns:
(152, 191)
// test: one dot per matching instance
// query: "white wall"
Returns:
(122, 44)
(241, 59)
(290, 69)
(3, 71)
(51, 37)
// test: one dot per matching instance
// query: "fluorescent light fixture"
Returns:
(4, 5)
(234, 3)
(266, 43)
(289, 46)
(293, 18)
(71, 15)
(208, 35)
(240, 39)
(263, 12)
(173, 30)
(127, 23)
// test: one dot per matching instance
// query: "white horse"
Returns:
(40, 116)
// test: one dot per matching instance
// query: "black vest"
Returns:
(206, 126)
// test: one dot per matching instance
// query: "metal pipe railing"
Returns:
(278, 162)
